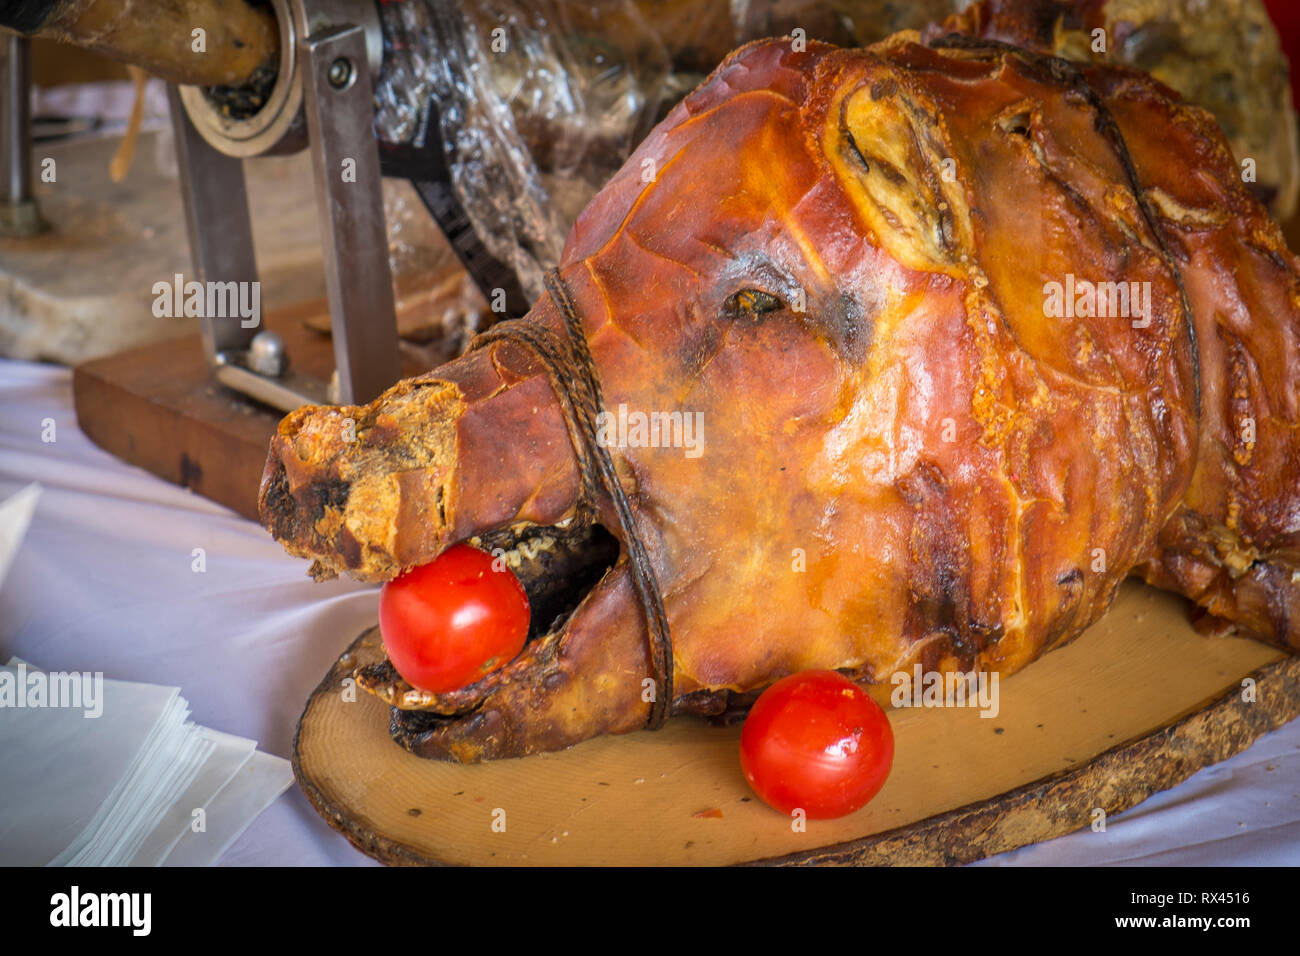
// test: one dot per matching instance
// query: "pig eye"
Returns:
(749, 302)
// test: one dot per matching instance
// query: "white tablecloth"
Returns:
(103, 582)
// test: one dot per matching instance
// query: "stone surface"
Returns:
(84, 288)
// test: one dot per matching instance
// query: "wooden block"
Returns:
(1137, 704)
(158, 407)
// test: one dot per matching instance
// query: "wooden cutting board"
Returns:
(1137, 704)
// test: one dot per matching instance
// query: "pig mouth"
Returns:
(445, 458)
(559, 566)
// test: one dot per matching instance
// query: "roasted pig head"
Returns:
(910, 355)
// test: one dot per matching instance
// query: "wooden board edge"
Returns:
(176, 444)
(1115, 780)
(386, 851)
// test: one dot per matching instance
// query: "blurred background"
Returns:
(536, 105)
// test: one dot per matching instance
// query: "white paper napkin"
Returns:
(124, 777)
(255, 786)
(15, 515)
(229, 754)
(65, 771)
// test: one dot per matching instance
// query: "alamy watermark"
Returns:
(21, 688)
(208, 300)
(624, 429)
(77, 909)
(1080, 298)
(923, 688)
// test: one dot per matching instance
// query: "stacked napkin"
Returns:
(112, 773)
(97, 772)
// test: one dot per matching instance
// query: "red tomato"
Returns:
(816, 740)
(447, 623)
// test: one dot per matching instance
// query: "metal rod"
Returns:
(291, 390)
(19, 215)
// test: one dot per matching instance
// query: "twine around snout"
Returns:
(573, 377)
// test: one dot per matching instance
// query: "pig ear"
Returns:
(888, 151)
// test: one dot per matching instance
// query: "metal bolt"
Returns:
(267, 354)
(340, 73)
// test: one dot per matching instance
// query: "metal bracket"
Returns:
(339, 99)
(336, 72)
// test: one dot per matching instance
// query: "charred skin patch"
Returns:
(364, 489)
(289, 516)
(940, 602)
